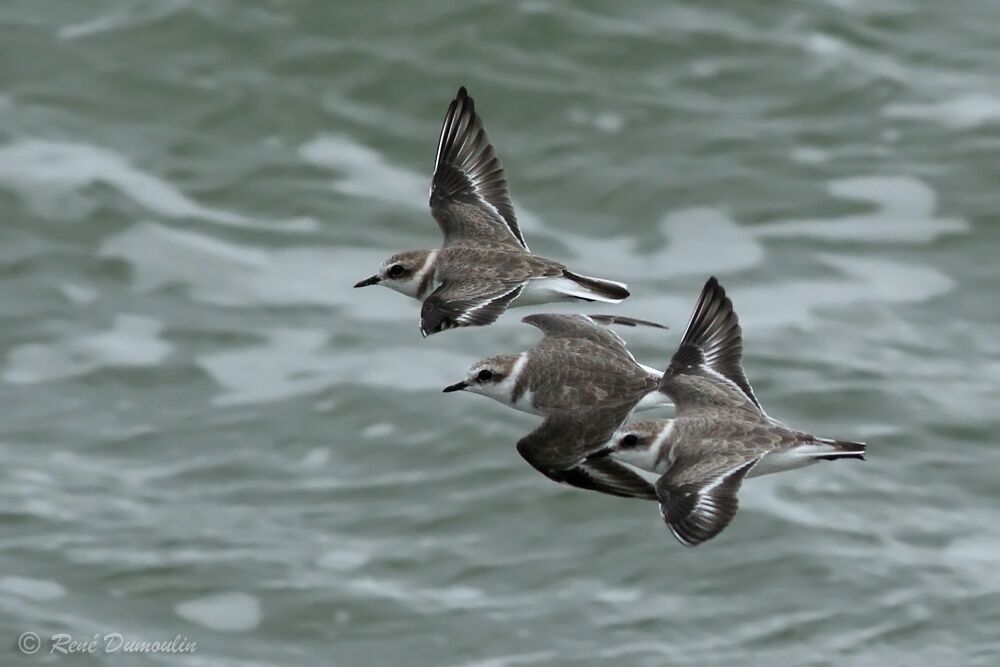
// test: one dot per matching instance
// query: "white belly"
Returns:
(549, 290)
(653, 399)
(788, 459)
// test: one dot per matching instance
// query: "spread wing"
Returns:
(557, 449)
(469, 197)
(698, 500)
(587, 327)
(466, 304)
(707, 368)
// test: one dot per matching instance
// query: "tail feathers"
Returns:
(598, 289)
(842, 449)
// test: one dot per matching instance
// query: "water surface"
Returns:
(208, 433)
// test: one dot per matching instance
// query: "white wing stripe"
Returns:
(466, 316)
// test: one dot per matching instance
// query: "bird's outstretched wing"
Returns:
(698, 501)
(559, 446)
(469, 196)
(466, 304)
(707, 368)
(588, 327)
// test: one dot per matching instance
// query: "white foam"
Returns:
(605, 121)
(132, 341)
(705, 69)
(87, 28)
(698, 241)
(288, 364)
(974, 557)
(809, 155)
(225, 273)
(515, 659)
(892, 282)
(378, 430)
(824, 45)
(833, 52)
(228, 612)
(363, 172)
(706, 240)
(292, 362)
(78, 294)
(904, 212)
(50, 173)
(436, 598)
(40, 590)
(863, 280)
(958, 113)
(343, 559)
(316, 458)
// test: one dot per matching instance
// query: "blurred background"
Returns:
(208, 433)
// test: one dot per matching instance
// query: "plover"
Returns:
(720, 434)
(484, 265)
(585, 382)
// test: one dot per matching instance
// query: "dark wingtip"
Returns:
(714, 292)
(625, 321)
(599, 287)
(848, 450)
(838, 457)
(464, 101)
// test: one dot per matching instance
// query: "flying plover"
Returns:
(720, 434)
(585, 382)
(484, 265)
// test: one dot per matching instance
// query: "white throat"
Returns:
(503, 391)
(411, 285)
(656, 457)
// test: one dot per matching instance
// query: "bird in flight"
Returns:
(720, 434)
(584, 381)
(484, 265)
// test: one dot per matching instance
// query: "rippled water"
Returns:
(208, 433)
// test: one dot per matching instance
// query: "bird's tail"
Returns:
(840, 449)
(598, 289)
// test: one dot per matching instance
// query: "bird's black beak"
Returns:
(458, 386)
(374, 280)
(599, 454)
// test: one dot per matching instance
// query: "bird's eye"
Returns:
(630, 440)
(485, 375)
(396, 270)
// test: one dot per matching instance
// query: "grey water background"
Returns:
(207, 432)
